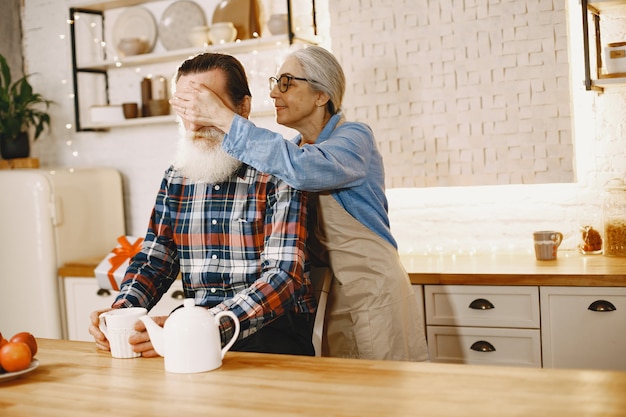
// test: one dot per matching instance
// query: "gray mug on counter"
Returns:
(547, 244)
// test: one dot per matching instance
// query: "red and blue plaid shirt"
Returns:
(239, 245)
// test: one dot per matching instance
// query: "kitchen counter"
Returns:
(75, 379)
(80, 267)
(570, 269)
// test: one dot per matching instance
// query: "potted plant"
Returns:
(20, 110)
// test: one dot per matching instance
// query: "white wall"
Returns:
(465, 219)
(502, 218)
(460, 93)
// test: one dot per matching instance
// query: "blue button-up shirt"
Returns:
(344, 160)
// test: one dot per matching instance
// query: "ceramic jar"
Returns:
(132, 46)
(245, 15)
(277, 24)
(222, 32)
(199, 36)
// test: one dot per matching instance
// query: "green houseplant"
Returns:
(20, 110)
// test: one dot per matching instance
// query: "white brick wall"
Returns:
(460, 93)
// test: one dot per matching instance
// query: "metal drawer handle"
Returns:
(483, 346)
(103, 292)
(178, 295)
(481, 304)
(601, 306)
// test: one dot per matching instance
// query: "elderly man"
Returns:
(236, 235)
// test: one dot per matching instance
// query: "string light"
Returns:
(69, 125)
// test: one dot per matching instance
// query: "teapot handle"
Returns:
(236, 331)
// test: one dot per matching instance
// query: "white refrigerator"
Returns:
(47, 218)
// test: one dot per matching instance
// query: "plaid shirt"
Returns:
(239, 245)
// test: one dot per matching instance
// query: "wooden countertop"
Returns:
(569, 269)
(75, 379)
(17, 163)
(80, 268)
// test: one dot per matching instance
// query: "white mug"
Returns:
(118, 326)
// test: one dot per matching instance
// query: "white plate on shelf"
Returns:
(7, 376)
(176, 24)
(135, 22)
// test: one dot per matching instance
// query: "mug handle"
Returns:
(559, 239)
(236, 331)
(103, 325)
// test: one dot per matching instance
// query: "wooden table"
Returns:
(569, 269)
(74, 379)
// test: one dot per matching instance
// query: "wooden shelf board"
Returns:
(604, 5)
(18, 163)
(248, 45)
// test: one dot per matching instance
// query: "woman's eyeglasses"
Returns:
(284, 82)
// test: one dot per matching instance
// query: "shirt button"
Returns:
(213, 221)
(216, 188)
(214, 257)
(213, 290)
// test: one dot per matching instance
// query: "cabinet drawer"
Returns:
(580, 329)
(493, 306)
(470, 345)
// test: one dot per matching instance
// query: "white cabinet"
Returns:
(82, 296)
(584, 327)
(489, 325)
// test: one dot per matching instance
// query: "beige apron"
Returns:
(372, 312)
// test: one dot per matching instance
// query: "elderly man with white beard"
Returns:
(237, 236)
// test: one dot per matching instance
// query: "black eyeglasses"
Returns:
(284, 82)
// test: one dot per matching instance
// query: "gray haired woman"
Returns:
(372, 311)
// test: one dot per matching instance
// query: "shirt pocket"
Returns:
(246, 237)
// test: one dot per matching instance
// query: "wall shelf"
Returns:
(598, 81)
(99, 69)
(613, 80)
(237, 47)
(153, 120)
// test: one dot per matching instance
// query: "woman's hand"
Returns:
(201, 106)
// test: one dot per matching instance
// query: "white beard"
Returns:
(200, 157)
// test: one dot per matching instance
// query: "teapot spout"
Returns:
(156, 334)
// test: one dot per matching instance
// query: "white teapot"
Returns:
(190, 339)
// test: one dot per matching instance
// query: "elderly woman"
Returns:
(372, 310)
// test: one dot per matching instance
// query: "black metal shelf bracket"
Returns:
(75, 70)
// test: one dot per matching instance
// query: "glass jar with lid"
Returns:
(614, 217)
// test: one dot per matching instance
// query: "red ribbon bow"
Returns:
(120, 255)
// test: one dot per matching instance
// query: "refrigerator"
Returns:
(47, 218)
